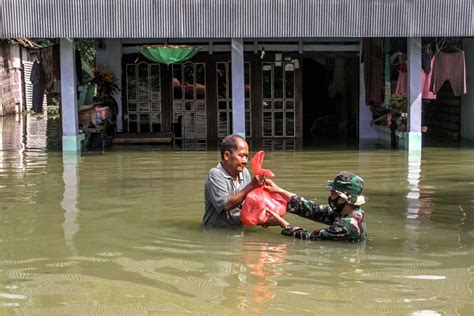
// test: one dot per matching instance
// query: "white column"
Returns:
(414, 94)
(69, 114)
(238, 87)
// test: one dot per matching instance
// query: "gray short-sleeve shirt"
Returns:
(217, 190)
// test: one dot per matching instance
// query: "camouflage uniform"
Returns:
(349, 227)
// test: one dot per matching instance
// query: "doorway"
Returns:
(330, 97)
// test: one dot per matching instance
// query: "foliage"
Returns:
(105, 81)
(53, 109)
(399, 102)
(86, 47)
(44, 42)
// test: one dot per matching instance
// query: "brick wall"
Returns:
(7, 93)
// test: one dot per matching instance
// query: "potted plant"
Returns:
(106, 86)
(399, 110)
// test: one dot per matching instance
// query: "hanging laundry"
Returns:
(449, 67)
(38, 79)
(402, 82)
(425, 83)
(373, 70)
(426, 59)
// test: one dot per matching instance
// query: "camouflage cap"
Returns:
(349, 186)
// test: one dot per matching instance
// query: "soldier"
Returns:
(344, 215)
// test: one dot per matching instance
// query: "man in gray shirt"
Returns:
(228, 184)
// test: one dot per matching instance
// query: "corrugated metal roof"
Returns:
(235, 18)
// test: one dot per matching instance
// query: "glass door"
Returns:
(189, 101)
(224, 99)
(143, 98)
(278, 81)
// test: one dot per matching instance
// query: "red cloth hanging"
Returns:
(253, 211)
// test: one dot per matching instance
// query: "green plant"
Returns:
(88, 52)
(105, 81)
(399, 102)
(53, 111)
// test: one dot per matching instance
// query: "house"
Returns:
(16, 56)
(266, 69)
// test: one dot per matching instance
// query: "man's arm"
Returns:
(235, 200)
(219, 195)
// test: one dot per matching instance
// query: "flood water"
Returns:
(119, 233)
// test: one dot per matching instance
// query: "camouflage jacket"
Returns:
(341, 228)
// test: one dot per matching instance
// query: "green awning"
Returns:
(168, 54)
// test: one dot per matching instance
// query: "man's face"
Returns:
(237, 160)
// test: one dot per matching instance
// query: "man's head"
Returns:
(234, 154)
(348, 186)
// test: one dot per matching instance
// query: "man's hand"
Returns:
(257, 181)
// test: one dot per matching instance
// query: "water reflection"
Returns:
(70, 198)
(140, 248)
(191, 144)
(12, 148)
(36, 132)
(413, 178)
(276, 144)
(24, 141)
(418, 203)
(258, 283)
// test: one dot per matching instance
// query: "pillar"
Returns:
(414, 94)
(69, 115)
(238, 87)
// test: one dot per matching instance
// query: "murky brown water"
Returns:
(119, 234)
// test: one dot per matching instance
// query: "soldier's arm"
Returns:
(346, 230)
(311, 210)
(302, 207)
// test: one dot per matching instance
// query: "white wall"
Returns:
(366, 132)
(15, 55)
(467, 100)
(112, 58)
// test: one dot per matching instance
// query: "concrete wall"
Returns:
(7, 95)
(467, 100)
(366, 132)
(17, 83)
(111, 56)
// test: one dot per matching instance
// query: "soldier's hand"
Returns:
(277, 218)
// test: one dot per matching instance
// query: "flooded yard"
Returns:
(119, 233)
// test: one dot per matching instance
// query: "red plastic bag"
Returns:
(253, 211)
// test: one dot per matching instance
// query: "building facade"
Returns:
(285, 69)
